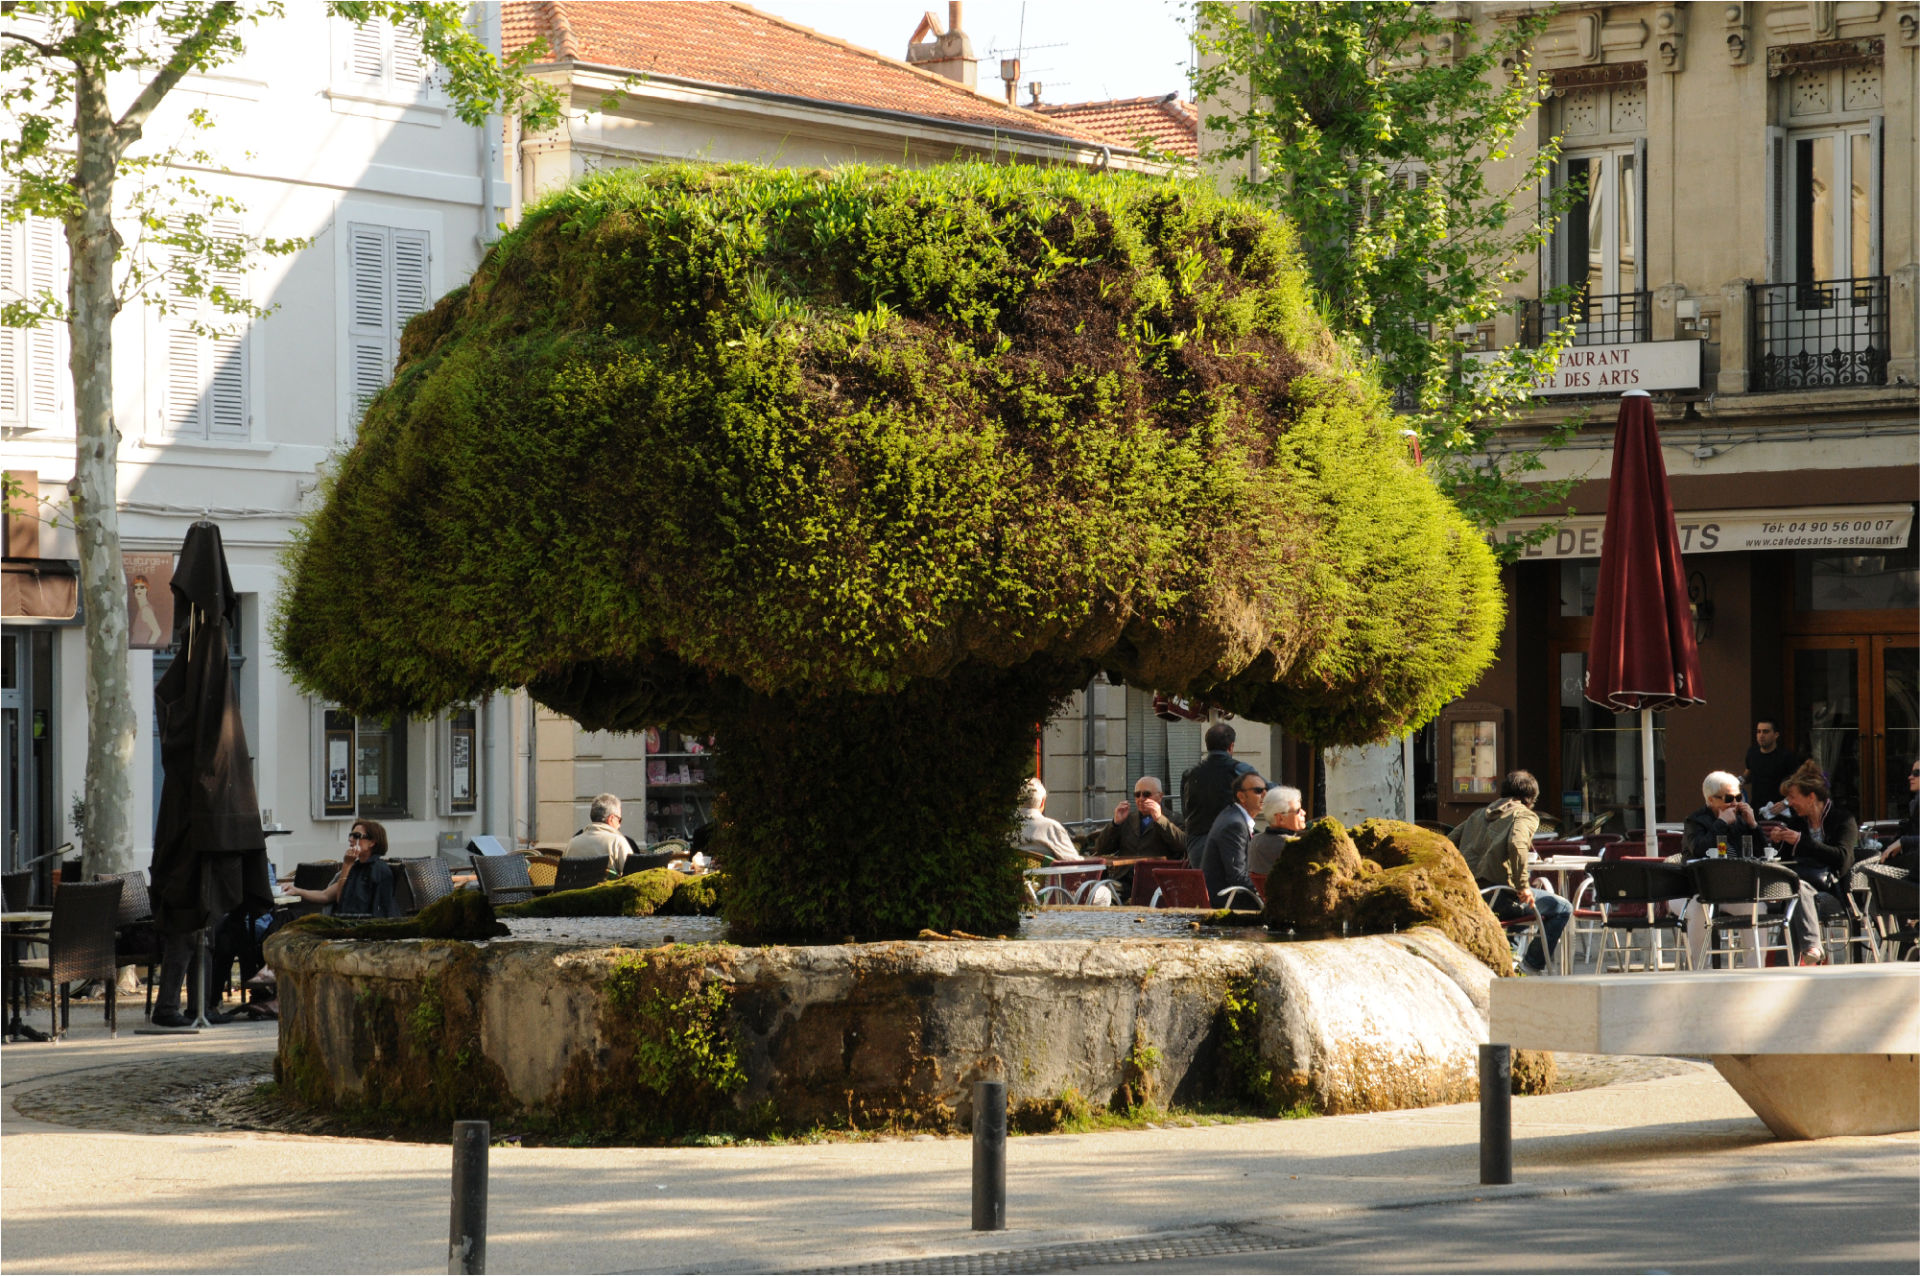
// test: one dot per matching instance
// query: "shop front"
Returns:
(1805, 613)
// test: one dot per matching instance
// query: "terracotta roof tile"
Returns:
(737, 46)
(1166, 123)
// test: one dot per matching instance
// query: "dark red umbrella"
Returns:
(1642, 654)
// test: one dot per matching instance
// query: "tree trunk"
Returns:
(93, 247)
(873, 817)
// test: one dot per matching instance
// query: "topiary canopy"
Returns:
(740, 448)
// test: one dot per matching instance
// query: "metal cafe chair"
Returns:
(1745, 897)
(1179, 888)
(504, 878)
(1519, 930)
(79, 947)
(1631, 895)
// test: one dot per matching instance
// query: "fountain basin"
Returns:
(562, 1025)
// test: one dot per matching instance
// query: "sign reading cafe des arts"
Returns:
(1618, 366)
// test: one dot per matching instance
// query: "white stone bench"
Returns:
(1814, 1051)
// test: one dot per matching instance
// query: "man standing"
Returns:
(1223, 857)
(1497, 843)
(1769, 763)
(1207, 788)
(1141, 829)
(602, 836)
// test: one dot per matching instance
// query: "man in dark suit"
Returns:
(1141, 829)
(1224, 857)
(1207, 788)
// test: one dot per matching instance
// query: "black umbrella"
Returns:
(209, 854)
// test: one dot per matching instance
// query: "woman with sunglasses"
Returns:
(364, 885)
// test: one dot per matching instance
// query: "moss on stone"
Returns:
(639, 894)
(1385, 876)
(461, 915)
(696, 896)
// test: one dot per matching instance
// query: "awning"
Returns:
(1865, 527)
(40, 590)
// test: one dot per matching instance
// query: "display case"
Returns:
(679, 793)
(1473, 755)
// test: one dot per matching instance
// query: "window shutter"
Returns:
(44, 400)
(13, 341)
(1876, 148)
(1777, 206)
(182, 409)
(365, 55)
(1553, 262)
(205, 382)
(369, 313)
(1643, 258)
(409, 65)
(409, 279)
(226, 398)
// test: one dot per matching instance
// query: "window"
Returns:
(1603, 226)
(1599, 247)
(380, 60)
(1825, 166)
(1165, 750)
(204, 380)
(363, 767)
(387, 284)
(463, 761)
(33, 361)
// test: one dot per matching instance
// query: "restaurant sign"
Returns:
(1620, 366)
(1733, 531)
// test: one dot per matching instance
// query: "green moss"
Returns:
(635, 895)
(461, 915)
(914, 445)
(1249, 1077)
(696, 896)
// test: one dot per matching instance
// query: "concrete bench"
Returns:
(1814, 1051)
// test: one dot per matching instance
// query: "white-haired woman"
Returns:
(1726, 817)
(1281, 820)
(1039, 833)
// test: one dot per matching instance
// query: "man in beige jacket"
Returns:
(602, 836)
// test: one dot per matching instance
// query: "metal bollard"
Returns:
(989, 1156)
(467, 1235)
(1496, 1114)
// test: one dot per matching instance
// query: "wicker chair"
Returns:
(575, 873)
(135, 940)
(428, 881)
(504, 878)
(1893, 912)
(79, 947)
(18, 888)
(542, 869)
(1757, 887)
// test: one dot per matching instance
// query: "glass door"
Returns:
(1595, 769)
(1896, 736)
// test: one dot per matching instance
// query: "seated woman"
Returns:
(1818, 840)
(364, 885)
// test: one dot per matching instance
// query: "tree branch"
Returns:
(46, 50)
(126, 130)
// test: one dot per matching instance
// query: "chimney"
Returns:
(1010, 76)
(1033, 87)
(949, 52)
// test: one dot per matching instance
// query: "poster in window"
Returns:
(149, 600)
(463, 783)
(1476, 757)
(338, 755)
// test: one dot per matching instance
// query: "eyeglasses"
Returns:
(358, 837)
(1253, 788)
(1143, 794)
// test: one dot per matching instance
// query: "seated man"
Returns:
(602, 836)
(1281, 820)
(1224, 856)
(1039, 834)
(1497, 843)
(1728, 818)
(1141, 829)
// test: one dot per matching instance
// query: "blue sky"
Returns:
(1119, 48)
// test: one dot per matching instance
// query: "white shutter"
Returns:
(226, 356)
(409, 63)
(1643, 258)
(205, 380)
(1775, 199)
(13, 341)
(1553, 254)
(370, 313)
(44, 400)
(365, 54)
(182, 407)
(409, 279)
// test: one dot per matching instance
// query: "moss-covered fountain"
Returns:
(864, 471)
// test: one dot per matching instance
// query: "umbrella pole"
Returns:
(1646, 779)
(202, 968)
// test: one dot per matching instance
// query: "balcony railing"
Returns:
(1826, 332)
(1599, 319)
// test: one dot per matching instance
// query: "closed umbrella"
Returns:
(209, 853)
(1642, 655)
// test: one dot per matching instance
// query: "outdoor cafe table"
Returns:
(1071, 875)
(1565, 870)
(20, 925)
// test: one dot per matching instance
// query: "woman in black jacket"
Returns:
(1819, 840)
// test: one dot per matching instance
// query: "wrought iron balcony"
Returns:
(1599, 319)
(1825, 332)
